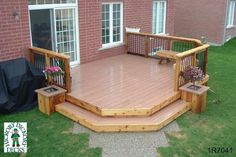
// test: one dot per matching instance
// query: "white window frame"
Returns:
(111, 43)
(156, 22)
(231, 13)
(54, 6)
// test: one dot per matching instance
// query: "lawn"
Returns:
(214, 128)
(217, 126)
(50, 137)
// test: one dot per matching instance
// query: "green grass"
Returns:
(217, 126)
(50, 137)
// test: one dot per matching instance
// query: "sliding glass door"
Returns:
(55, 27)
(41, 28)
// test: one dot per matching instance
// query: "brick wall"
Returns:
(137, 13)
(14, 34)
(196, 18)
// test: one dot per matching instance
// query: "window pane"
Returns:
(103, 40)
(35, 2)
(40, 1)
(65, 31)
(31, 2)
(49, 2)
(231, 12)
(111, 29)
(159, 12)
(118, 37)
(72, 46)
(116, 22)
(103, 32)
(107, 7)
(105, 23)
(107, 39)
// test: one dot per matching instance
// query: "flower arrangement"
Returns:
(53, 70)
(193, 74)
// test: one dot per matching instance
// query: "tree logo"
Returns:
(15, 137)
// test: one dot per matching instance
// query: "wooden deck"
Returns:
(127, 92)
(123, 85)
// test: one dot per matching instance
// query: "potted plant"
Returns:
(193, 74)
(52, 72)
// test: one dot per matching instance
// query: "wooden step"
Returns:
(118, 124)
(124, 111)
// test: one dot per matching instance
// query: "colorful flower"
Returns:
(53, 70)
(193, 74)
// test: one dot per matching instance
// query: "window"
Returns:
(231, 12)
(35, 2)
(112, 24)
(159, 17)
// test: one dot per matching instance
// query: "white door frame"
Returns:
(60, 6)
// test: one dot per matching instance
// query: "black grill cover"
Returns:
(18, 80)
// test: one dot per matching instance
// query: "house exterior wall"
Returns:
(136, 13)
(14, 34)
(196, 18)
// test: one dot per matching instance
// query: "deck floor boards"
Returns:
(124, 81)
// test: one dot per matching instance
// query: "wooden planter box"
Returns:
(47, 99)
(196, 97)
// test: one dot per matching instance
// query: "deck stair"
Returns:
(100, 123)
(124, 110)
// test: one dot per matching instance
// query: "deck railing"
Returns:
(194, 57)
(42, 58)
(190, 52)
(145, 44)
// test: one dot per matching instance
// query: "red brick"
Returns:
(14, 42)
(196, 18)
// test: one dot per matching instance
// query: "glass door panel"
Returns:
(41, 28)
(65, 31)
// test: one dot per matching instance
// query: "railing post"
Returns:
(47, 61)
(126, 42)
(177, 74)
(67, 73)
(194, 60)
(146, 46)
(31, 54)
(206, 61)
